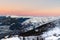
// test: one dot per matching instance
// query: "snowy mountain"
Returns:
(15, 25)
(36, 22)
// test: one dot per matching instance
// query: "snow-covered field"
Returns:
(21, 38)
(13, 38)
(53, 34)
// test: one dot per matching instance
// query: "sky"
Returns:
(30, 7)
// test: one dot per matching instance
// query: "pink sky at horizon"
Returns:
(29, 13)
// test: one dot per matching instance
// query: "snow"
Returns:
(37, 21)
(41, 20)
(13, 38)
(21, 38)
(49, 35)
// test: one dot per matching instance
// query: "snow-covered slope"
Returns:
(33, 23)
(53, 33)
(12, 38)
(36, 22)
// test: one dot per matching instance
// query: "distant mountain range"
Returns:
(15, 25)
